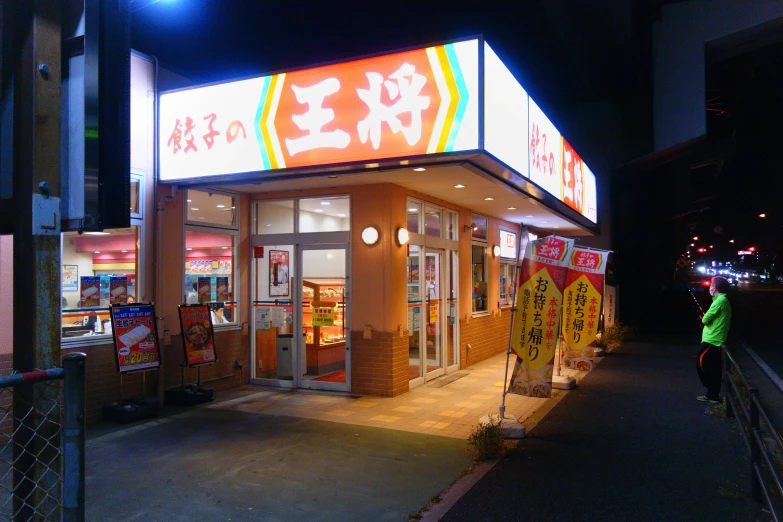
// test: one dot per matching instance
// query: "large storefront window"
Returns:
(209, 273)
(99, 269)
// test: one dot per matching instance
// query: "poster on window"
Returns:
(536, 322)
(224, 266)
(118, 290)
(135, 337)
(221, 289)
(90, 291)
(323, 315)
(278, 274)
(198, 336)
(70, 278)
(263, 318)
(581, 307)
(204, 287)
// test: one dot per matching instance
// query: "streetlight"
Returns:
(693, 244)
(762, 215)
(695, 238)
(731, 240)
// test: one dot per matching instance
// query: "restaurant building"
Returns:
(353, 227)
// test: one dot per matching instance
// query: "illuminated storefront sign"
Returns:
(412, 103)
(406, 104)
(508, 244)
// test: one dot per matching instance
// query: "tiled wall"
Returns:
(486, 335)
(379, 366)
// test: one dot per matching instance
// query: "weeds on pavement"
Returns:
(486, 441)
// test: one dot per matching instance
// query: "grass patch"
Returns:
(613, 336)
(487, 440)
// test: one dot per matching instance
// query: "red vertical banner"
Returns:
(582, 305)
(537, 317)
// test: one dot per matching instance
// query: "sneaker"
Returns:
(704, 398)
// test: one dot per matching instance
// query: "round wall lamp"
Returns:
(370, 236)
(402, 236)
(496, 250)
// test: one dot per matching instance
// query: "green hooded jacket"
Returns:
(716, 321)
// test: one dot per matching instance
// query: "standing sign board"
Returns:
(198, 336)
(135, 337)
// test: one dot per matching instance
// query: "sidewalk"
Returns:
(631, 443)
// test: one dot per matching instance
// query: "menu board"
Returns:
(135, 337)
(118, 290)
(545, 151)
(198, 336)
(90, 291)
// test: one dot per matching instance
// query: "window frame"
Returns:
(237, 209)
(234, 268)
(511, 266)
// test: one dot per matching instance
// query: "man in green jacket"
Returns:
(716, 331)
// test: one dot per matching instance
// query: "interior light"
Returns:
(202, 218)
(414, 209)
(220, 206)
(370, 236)
(269, 224)
(224, 248)
(233, 207)
(97, 252)
(190, 249)
(419, 169)
(190, 201)
(459, 185)
(194, 208)
(319, 210)
(402, 236)
(97, 233)
(555, 226)
(529, 216)
(332, 177)
(496, 250)
(512, 208)
(325, 203)
(340, 215)
(489, 199)
(124, 251)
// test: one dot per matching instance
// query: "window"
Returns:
(480, 228)
(99, 269)
(479, 261)
(326, 214)
(431, 220)
(275, 217)
(209, 272)
(211, 208)
(506, 284)
(433, 217)
(413, 212)
(135, 196)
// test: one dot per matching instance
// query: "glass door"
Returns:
(323, 346)
(434, 310)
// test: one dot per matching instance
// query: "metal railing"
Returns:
(42, 436)
(761, 437)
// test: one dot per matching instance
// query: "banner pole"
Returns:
(558, 353)
(502, 409)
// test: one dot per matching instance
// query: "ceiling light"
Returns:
(269, 224)
(124, 251)
(233, 207)
(414, 209)
(402, 236)
(97, 252)
(512, 208)
(319, 210)
(340, 215)
(332, 177)
(224, 248)
(459, 185)
(325, 203)
(370, 236)
(555, 226)
(489, 199)
(529, 216)
(202, 218)
(190, 201)
(189, 249)
(97, 233)
(419, 169)
(543, 222)
(220, 206)
(194, 208)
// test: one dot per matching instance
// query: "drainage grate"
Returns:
(443, 381)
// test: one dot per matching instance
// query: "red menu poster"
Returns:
(135, 337)
(198, 336)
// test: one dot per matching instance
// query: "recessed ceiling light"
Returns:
(529, 215)
(419, 169)
(194, 208)
(555, 226)
(413, 209)
(332, 177)
(190, 249)
(489, 199)
(269, 224)
(233, 207)
(340, 215)
(224, 248)
(97, 252)
(124, 251)
(190, 201)
(325, 203)
(319, 210)
(459, 185)
(512, 208)
(221, 206)
(97, 233)
(202, 217)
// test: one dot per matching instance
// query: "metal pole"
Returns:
(502, 409)
(73, 437)
(36, 192)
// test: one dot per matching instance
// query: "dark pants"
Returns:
(710, 368)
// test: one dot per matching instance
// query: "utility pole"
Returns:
(36, 54)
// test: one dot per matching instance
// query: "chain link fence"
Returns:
(42, 443)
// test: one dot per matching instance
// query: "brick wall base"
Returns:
(379, 366)
(487, 337)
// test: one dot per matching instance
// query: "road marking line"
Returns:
(769, 371)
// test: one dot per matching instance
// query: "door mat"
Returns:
(443, 381)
